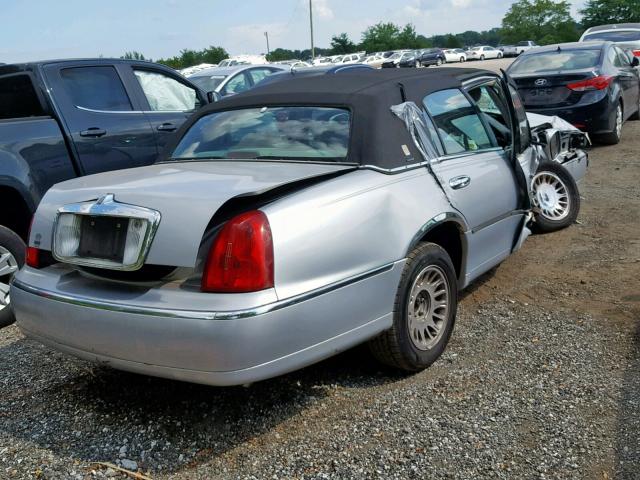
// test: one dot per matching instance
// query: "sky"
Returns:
(44, 29)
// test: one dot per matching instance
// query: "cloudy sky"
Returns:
(43, 29)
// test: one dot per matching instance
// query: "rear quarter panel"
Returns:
(349, 225)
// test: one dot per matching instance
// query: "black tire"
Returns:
(499, 55)
(636, 116)
(613, 137)
(549, 172)
(438, 62)
(395, 347)
(12, 243)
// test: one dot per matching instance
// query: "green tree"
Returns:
(381, 36)
(341, 44)
(452, 41)
(544, 21)
(601, 12)
(134, 55)
(189, 58)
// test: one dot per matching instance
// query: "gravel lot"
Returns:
(541, 380)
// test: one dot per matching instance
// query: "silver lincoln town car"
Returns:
(297, 220)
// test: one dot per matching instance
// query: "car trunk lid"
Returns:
(187, 195)
(549, 89)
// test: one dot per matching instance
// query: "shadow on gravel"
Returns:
(627, 448)
(77, 410)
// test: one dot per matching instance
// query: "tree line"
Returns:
(543, 21)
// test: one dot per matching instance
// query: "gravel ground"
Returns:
(541, 380)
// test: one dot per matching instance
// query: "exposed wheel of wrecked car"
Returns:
(555, 197)
(613, 137)
(424, 311)
(12, 250)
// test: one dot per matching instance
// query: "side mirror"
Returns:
(635, 62)
(213, 96)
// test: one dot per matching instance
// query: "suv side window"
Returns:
(457, 121)
(96, 88)
(166, 94)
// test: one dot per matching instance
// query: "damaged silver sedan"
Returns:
(296, 221)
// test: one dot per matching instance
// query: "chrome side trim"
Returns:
(137, 112)
(198, 314)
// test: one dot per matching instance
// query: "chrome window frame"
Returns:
(108, 207)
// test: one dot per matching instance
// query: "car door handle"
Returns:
(167, 127)
(459, 182)
(93, 132)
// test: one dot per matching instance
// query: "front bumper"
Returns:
(202, 346)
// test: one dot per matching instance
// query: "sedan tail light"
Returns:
(596, 83)
(636, 53)
(241, 256)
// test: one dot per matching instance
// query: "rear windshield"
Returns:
(617, 36)
(269, 133)
(207, 83)
(18, 98)
(554, 61)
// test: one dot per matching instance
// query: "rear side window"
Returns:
(166, 94)
(96, 88)
(18, 98)
(457, 121)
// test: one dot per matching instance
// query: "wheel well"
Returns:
(15, 214)
(449, 237)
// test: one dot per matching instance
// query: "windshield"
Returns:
(208, 83)
(395, 56)
(552, 61)
(270, 133)
(617, 36)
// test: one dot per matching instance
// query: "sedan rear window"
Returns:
(555, 60)
(617, 36)
(270, 133)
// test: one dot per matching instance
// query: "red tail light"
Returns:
(241, 257)
(636, 53)
(33, 257)
(596, 83)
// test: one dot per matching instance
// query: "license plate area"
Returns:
(103, 237)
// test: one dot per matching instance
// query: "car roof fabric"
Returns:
(378, 137)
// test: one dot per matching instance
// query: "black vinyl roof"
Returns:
(377, 135)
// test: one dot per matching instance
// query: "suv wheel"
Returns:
(438, 62)
(556, 199)
(12, 251)
(424, 311)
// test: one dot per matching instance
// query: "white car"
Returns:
(374, 61)
(349, 58)
(482, 53)
(626, 35)
(455, 55)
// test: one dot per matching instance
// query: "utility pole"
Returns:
(266, 34)
(313, 50)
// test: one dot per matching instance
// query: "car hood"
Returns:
(187, 194)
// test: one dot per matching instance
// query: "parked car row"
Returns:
(197, 267)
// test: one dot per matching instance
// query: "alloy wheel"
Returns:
(428, 307)
(550, 196)
(618, 126)
(8, 266)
